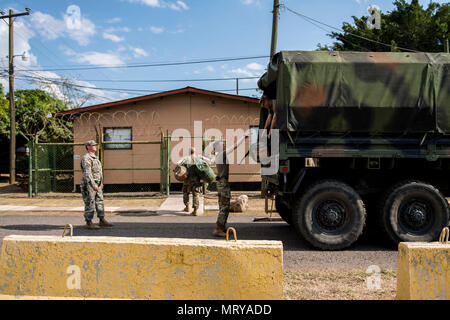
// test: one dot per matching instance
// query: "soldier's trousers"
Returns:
(93, 200)
(224, 194)
(191, 188)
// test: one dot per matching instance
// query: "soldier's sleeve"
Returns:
(86, 164)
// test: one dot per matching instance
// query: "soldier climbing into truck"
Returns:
(377, 125)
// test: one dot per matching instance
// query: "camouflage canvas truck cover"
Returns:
(377, 125)
(360, 92)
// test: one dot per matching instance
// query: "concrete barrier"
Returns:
(423, 271)
(140, 268)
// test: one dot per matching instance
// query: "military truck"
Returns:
(377, 125)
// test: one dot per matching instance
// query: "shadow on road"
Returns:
(31, 227)
(245, 231)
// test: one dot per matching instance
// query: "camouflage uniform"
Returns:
(92, 176)
(223, 188)
(191, 184)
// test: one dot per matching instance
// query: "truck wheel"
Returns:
(330, 215)
(284, 211)
(413, 211)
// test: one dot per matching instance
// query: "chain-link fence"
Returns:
(128, 166)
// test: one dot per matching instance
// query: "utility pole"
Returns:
(276, 13)
(12, 109)
(446, 47)
(237, 86)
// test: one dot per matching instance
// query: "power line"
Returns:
(340, 30)
(163, 64)
(126, 90)
(162, 80)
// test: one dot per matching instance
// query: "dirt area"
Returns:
(76, 201)
(337, 285)
(13, 195)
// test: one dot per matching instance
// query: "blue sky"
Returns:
(127, 32)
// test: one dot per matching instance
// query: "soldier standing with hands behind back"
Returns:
(91, 187)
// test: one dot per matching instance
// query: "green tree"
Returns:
(409, 26)
(35, 112)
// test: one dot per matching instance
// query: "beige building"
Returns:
(143, 119)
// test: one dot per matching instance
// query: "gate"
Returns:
(51, 166)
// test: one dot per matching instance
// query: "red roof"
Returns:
(159, 95)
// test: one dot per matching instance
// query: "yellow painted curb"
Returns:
(140, 268)
(423, 271)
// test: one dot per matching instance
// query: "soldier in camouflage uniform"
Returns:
(91, 187)
(192, 182)
(223, 186)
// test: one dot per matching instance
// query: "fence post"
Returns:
(161, 164)
(36, 173)
(168, 164)
(54, 168)
(102, 158)
(203, 151)
(30, 168)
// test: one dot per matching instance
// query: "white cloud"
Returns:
(178, 5)
(4, 83)
(250, 70)
(179, 30)
(21, 45)
(242, 72)
(183, 5)
(249, 2)
(82, 35)
(50, 84)
(52, 28)
(114, 20)
(208, 68)
(139, 52)
(156, 30)
(99, 58)
(117, 29)
(72, 92)
(255, 66)
(47, 26)
(112, 37)
(151, 3)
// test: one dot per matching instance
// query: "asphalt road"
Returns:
(298, 255)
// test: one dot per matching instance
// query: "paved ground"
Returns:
(174, 204)
(298, 255)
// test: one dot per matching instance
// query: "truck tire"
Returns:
(284, 211)
(413, 211)
(330, 215)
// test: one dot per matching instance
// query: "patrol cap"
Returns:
(90, 143)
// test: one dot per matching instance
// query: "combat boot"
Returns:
(194, 213)
(186, 209)
(91, 226)
(220, 231)
(104, 223)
